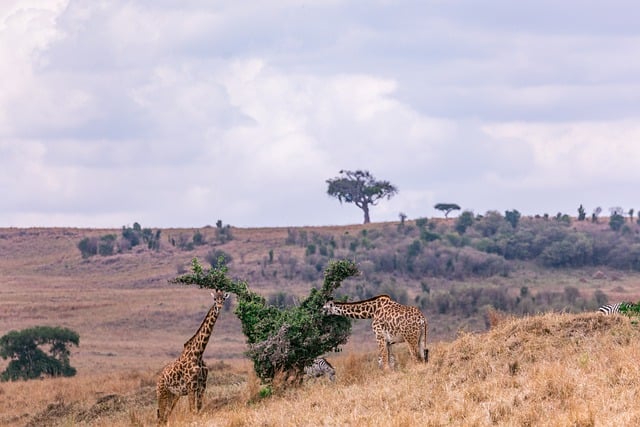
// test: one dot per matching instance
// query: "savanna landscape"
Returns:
(514, 333)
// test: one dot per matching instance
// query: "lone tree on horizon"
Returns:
(361, 188)
(447, 208)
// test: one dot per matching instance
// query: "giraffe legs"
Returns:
(414, 348)
(166, 402)
(197, 392)
(384, 351)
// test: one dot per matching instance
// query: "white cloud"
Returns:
(182, 115)
(575, 154)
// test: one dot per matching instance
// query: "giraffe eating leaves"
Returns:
(187, 375)
(392, 323)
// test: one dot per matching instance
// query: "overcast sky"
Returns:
(181, 113)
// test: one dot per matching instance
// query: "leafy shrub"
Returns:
(218, 258)
(88, 246)
(282, 340)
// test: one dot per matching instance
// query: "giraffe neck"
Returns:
(198, 342)
(361, 309)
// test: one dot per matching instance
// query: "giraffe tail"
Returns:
(423, 342)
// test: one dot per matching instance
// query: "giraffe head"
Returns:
(219, 297)
(329, 308)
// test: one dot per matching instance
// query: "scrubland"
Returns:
(545, 370)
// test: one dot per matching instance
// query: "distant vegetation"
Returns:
(475, 246)
(110, 244)
(472, 247)
(468, 248)
(136, 236)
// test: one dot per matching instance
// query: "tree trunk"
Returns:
(365, 208)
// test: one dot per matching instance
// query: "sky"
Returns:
(183, 113)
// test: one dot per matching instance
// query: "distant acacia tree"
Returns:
(447, 208)
(360, 188)
(29, 361)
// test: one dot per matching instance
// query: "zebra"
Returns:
(319, 367)
(609, 309)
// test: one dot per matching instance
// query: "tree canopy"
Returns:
(29, 361)
(360, 188)
(282, 340)
(447, 208)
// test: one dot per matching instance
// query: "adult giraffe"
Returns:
(392, 323)
(187, 375)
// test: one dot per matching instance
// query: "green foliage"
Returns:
(465, 220)
(512, 217)
(616, 221)
(29, 361)
(109, 244)
(223, 233)
(198, 238)
(630, 308)
(360, 188)
(468, 301)
(282, 339)
(88, 247)
(218, 258)
(421, 222)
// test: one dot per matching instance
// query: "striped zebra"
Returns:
(609, 309)
(319, 367)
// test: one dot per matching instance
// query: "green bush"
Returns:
(282, 340)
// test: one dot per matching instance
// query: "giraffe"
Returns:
(392, 323)
(187, 375)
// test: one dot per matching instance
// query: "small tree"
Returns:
(282, 340)
(447, 208)
(596, 212)
(512, 217)
(616, 221)
(465, 220)
(29, 361)
(581, 213)
(360, 188)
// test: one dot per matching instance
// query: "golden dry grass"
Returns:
(548, 370)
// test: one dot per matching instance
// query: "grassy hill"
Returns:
(131, 322)
(545, 370)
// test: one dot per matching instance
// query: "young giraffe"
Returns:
(187, 375)
(392, 323)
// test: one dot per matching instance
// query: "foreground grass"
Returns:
(554, 369)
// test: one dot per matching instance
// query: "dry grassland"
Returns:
(545, 370)
(548, 370)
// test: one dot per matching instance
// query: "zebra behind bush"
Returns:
(609, 309)
(320, 367)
